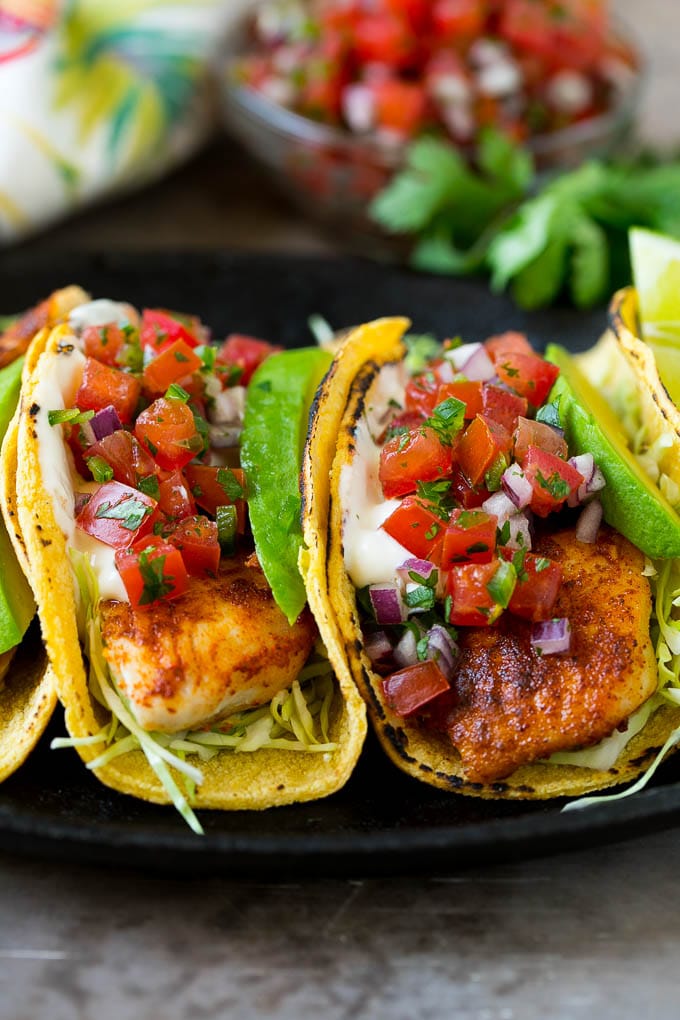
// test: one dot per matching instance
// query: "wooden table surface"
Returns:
(591, 934)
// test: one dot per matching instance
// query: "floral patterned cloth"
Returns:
(98, 96)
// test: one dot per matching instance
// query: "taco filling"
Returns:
(135, 423)
(504, 630)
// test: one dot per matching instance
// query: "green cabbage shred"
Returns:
(294, 720)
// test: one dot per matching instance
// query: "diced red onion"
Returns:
(378, 648)
(459, 355)
(501, 506)
(105, 422)
(406, 652)
(552, 637)
(387, 603)
(442, 649)
(358, 107)
(593, 479)
(589, 522)
(520, 532)
(86, 433)
(414, 566)
(80, 499)
(445, 372)
(479, 367)
(516, 486)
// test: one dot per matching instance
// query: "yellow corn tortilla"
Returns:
(624, 368)
(27, 693)
(256, 780)
(420, 753)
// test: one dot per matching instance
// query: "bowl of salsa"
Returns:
(328, 94)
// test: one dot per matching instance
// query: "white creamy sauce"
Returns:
(101, 313)
(56, 390)
(371, 555)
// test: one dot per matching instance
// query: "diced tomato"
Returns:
(169, 366)
(245, 353)
(537, 587)
(480, 446)
(385, 39)
(456, 21)
(415, 526)
(152, 571)
(472, 605)
(412, 688)
(552, 479)
(470, 537)
(104, 343)
(402, 423)
(528, 374)
(469, 392)
(118, 515)
(400, 105)
(415, 456)
(503, 406)
(467, 495)
(215, 486)
(416, 12)
(175, 498)
(537, 433)
(102, 386)
(168, 431)
(507, 343)
(321, 93)
(161, 328)
(196, 538)
(422, 393)
(126, 456)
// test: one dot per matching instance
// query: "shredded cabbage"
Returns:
(664, 578)
(294, 720)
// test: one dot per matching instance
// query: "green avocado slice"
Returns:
(631, 502)
(277, 408)
(16, 600)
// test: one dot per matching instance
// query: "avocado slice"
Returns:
(16, 600)
(631, 502)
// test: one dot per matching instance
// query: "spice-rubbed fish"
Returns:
(511, 706)
(222, 647)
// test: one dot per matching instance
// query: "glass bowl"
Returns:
(332, 175)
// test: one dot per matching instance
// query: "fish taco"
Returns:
(508, 641)
(181, 678)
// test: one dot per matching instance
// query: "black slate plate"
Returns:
(382, 821)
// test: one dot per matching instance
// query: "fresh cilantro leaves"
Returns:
(130, 511)
(540, 238)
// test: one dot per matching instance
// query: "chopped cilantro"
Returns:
(156, 583)
(149, 486)
(541, 564)
(549, 414)
(228, 481)
(427, 582)
(130, 512)
(446, 420)
(421, 349)
(555, 484)
(421, 597)
(503, 533)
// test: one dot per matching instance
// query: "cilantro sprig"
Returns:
(542, 238)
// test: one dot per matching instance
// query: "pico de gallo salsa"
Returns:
(392, 69)
(473, 464)
(154, 433)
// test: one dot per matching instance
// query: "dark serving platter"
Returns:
(382, 821)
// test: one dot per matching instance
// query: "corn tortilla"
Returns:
(420, 753)
(257, 780)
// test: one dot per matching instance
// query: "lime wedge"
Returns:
(656, 273)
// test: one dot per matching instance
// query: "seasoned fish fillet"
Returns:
(511, 706)
(221, 647)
